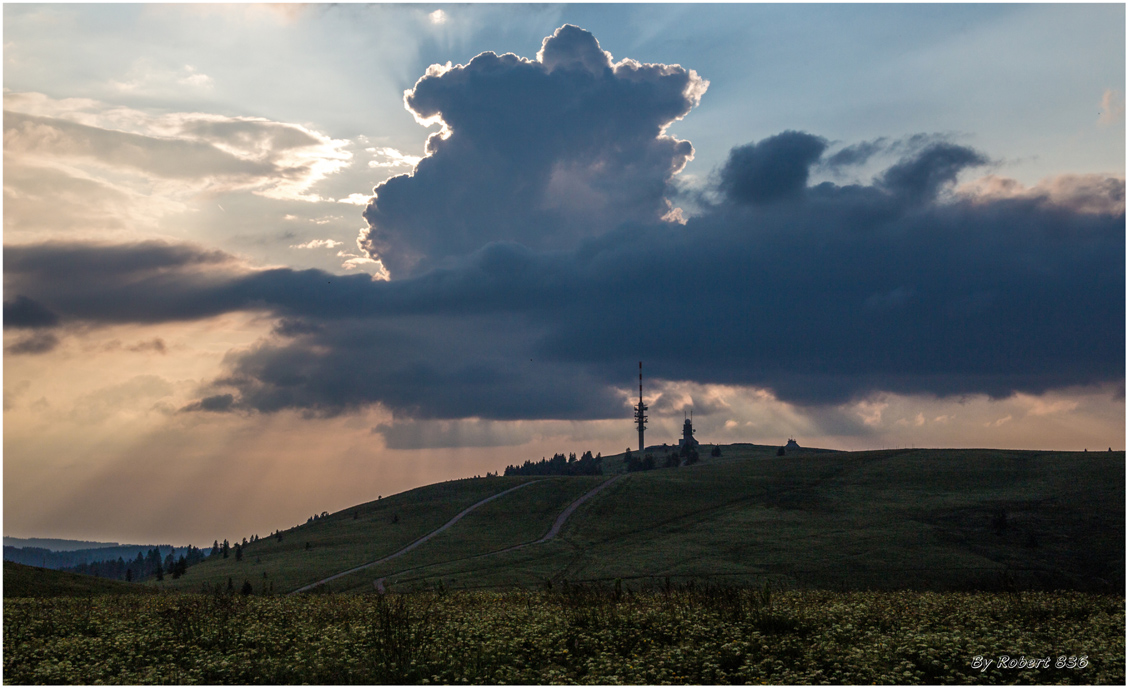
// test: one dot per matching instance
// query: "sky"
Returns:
(262, 262)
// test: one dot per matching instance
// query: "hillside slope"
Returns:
(33, 581)
(930, 519)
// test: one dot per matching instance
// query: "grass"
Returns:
(343, 540)
(660, 578)
(517, 519)
(32, 581)
(570, 635)
(921, 519)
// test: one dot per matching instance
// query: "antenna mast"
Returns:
(640, 412)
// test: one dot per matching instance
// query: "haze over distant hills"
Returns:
(56, 544)
(51, 553)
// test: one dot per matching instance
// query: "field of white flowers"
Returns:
(571, 636)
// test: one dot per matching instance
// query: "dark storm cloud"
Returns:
(542, 152)
(856, 154)
(852, 291)
(22, 312)
(35, 343)
(771, 170)
(215, 404)
(921, 176)
(519, 313)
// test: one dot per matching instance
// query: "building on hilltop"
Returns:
(791, 445)
(687, 435)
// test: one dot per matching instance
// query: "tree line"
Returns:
(560, 465)
(147, 565)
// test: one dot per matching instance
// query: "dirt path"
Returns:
(418, 542)
(552, 532)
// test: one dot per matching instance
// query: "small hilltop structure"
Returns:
(687, 440)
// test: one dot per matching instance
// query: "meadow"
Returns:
(32, 581)
(570, 635)
(899, 519)
(892, 567)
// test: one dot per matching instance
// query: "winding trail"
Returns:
(552, 532)
(421, 540)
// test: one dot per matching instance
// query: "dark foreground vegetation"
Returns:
(612, 635)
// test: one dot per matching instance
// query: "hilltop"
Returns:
(923, 519)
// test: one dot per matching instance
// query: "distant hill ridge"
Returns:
(48, 559)
(57, 544)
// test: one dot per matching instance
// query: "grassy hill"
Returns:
(32, 581)
(925, 519)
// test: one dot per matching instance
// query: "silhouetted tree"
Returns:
(180, 567)
(780, 452)
(226, 549)
(129, 575)
(716, 450)
(238, 553)
(560, 464)
(246, 589)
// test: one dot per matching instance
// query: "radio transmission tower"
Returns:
(640, 412)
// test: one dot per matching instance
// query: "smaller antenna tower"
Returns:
(640, 412)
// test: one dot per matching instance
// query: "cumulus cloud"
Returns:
(1081, 193)
(920, 177)
(319, 243)
(543, 152)
(390, 157)
(356, 199)
(771, 170)
(819, 295)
